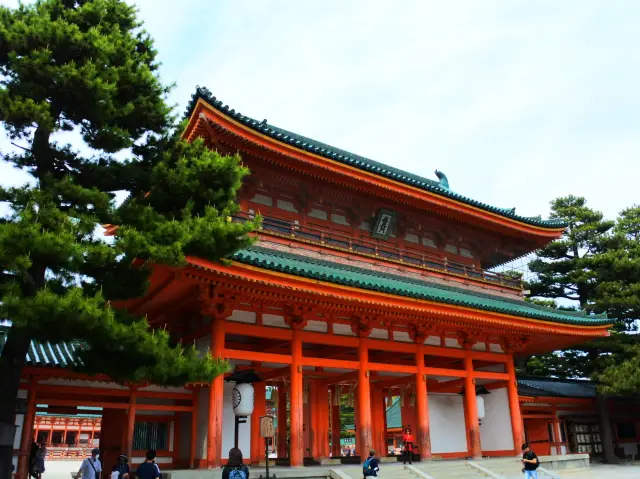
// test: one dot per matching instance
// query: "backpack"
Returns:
(237, 474)
(366, 467)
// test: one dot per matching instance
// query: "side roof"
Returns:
(44, 353)
(533, 386)
(357, 161)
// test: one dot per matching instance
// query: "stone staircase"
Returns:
(450, 470)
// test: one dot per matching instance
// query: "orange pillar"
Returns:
(364, 402)
(27, 430)
(377, 421)
(356, 420)
(313, 414)
(514, 407)
(422, 407)
(282, 422)
(322, 408)
(131, 422)
(216, 393)
(194, 429)
(259, 410)
(473, 424)
(296, 407)
(335, 423)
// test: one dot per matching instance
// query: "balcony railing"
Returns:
(379, 249)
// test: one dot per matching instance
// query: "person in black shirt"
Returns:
(123, 469)
(235, 468)
(148, 469)
(530, 462)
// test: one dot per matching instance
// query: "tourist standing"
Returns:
(91, 467)
(148, 469)
(407, 440)
(235, 468)
(530, 462)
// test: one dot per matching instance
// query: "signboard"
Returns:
(384, 225)
(266, 426)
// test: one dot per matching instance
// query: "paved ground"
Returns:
(62, 470)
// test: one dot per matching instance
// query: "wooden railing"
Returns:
(378, 249)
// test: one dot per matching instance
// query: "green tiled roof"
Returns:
(60, 355)
(358, 161)
(402, 286)
(532, 386)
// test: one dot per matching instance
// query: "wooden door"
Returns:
(537, 434)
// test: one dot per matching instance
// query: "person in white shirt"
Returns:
(91, 467)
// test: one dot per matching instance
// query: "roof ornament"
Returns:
(444, 182)
(263, 122)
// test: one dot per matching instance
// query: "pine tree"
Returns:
(88, 67)
(563, 268)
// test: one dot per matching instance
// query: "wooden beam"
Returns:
(256, 356)
(269, 332)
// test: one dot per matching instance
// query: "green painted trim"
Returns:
(394, 284)
(358, 161)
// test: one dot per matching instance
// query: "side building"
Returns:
(366, 282)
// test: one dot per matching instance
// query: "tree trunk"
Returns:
(606, 434)
(11, 363)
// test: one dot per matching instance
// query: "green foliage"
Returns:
(347, 416)
(596, 263)
(563, 268)
(87, 66)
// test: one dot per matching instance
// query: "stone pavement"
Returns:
(62, 470)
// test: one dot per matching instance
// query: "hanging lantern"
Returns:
(275, 394)
(480, 406)
(401, 397)
(412, 399)
(336, 396)
(305, 394)
(243, 399)
(350, 401)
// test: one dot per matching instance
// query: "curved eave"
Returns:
(247, 272)
(429, 195)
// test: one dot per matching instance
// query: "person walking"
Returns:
(371, 466)
(530, 462)
(149, 469)
(407, 440)
(235, 468)
(91, 468)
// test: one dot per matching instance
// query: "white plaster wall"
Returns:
(248, 317)
(495, 429)
(203, 421)
(274, 321)
(377, 333)
(316, 326)
(446, 420)
(228, 424)
(342, 329)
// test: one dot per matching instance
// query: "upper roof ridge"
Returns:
(440, 187)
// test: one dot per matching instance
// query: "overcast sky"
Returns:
(518, 102)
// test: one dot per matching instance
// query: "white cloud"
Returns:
(517, 102)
